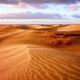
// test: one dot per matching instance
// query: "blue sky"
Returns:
(39, 9)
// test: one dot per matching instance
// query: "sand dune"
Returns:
(23, 56)
(70, 28)
(37, 63)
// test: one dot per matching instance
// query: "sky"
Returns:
(39, 9)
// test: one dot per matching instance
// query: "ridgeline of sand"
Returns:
(70, 28)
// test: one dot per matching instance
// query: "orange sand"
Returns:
(22, 59)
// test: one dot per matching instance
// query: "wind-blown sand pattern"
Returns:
(26, 55)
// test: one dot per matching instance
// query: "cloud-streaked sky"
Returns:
(39, 9)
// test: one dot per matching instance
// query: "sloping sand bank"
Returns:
(31, 62)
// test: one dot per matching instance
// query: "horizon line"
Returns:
(39, 21)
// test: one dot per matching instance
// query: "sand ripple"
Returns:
(12, 59)
(45, 65)
(30, 62)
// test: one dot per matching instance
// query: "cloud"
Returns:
(40, 1)
(40, 6)
(39, 9)
(76, 16)
(73, 7)
(9, 1)
(30, 15)
(50, 1)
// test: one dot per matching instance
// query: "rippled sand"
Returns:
(22, 61)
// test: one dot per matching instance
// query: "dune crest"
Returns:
(70, 28)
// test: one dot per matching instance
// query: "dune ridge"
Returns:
(70, 28)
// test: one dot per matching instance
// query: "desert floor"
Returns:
(20, 60)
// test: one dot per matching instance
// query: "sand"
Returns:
(71, 27)
(20, 60)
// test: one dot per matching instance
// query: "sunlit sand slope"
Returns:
(70, 28)
(30, 62)
(13, 58)
(52, 64)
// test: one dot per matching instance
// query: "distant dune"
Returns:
(70, 28)
(48, 35)
(29, 52)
